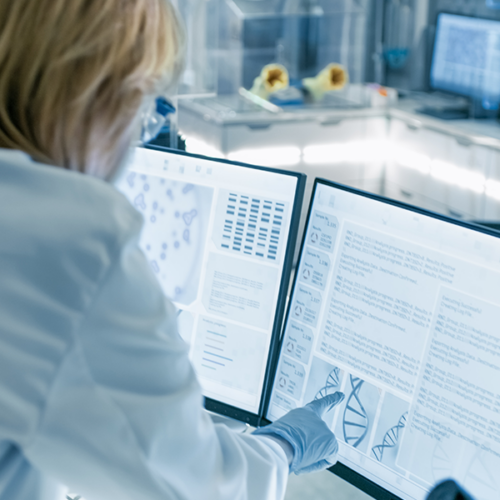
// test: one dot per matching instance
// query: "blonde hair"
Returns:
(74, 74)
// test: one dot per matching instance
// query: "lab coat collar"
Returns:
(14, 155)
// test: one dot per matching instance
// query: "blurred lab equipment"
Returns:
(302, 35)
(201, 19)
(465, 62)
(333, 77)
(273, 77)
(398, 33)
(154, 118)
(273, 84)
(301, 31)
(493, 4)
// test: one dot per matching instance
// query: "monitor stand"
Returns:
(446, 112)
(439, 104)
(472, 109)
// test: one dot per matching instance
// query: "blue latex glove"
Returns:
(314, 444)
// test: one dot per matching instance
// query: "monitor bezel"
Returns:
(433, 56)
(343, 471)
(219, 407)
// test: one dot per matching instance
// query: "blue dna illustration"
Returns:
(391, 438)
(441, 462)
(355, 422)
(332, 384)
(477, 477)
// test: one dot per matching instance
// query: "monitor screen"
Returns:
(466, 57)
(399, 309)
(220, 238)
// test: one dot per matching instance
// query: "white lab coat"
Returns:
(96, 389)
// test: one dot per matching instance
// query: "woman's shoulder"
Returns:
(70, 227)
(65, 206)
(60, 235)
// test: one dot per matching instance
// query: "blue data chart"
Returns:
(250, 225)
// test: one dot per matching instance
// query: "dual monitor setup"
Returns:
(395, 306)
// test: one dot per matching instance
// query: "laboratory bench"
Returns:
(447, 166)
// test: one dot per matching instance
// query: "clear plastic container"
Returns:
(303, 35)
(201, 20)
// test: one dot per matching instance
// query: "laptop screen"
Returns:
(220, 238)
(466, 57)
(399, 309)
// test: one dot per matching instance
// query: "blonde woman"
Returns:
(96, 389)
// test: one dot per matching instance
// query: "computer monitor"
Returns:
(399, 308)
(466, 58)
(220, 238)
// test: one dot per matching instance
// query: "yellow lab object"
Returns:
(273, 77)
(333, 77)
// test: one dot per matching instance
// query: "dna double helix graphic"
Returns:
(476, 478)
(355, 422)
(441, 462)
(391, 438)
(332, 384)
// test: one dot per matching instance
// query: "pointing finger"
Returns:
(321, 406)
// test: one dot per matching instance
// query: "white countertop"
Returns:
(233, 110)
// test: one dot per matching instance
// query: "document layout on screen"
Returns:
(216, 237)
(400, 311)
